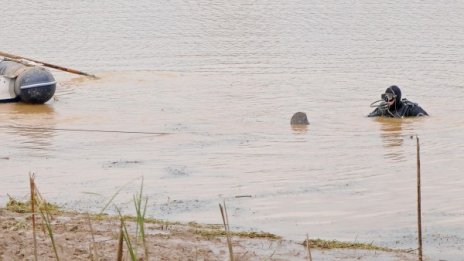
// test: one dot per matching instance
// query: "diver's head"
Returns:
(392, 96)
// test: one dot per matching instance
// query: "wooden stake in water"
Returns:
(310, 258)
(419, 219)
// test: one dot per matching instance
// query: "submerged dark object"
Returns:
(299, 118)
(20, 82)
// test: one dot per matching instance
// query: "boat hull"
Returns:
(28, 84)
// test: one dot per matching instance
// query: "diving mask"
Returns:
(388, 96)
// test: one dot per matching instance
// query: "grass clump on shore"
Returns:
(18, 206)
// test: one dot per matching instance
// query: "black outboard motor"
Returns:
(25, 83)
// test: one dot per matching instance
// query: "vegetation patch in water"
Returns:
(331, 244)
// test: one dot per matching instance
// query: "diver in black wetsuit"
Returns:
(393, 106)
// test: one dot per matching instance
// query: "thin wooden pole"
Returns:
(419, 212)
(310, 258)
(54, 66)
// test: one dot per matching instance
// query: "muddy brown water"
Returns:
(196, 97)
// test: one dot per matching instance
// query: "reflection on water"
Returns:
(36, 139)
(28, 109)
(30, 126)
(299, 128)
(393, 136)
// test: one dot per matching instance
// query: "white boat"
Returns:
(25, 82)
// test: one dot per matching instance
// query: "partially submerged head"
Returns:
(299, 118)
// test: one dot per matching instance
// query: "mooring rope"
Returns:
(83, 130)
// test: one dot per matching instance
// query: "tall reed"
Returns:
(93, 247)
(140, 205)
(44, 211)
(225, 220)
(127, 238)
(120, 243)
(32, 186)
(140, 219)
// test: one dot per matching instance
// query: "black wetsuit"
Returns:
(401, 109)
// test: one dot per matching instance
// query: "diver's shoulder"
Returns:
(408, 102)
(413, 109)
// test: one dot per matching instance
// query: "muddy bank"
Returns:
(79, 236)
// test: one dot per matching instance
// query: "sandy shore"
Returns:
(80, 236)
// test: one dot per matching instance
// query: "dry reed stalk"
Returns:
(419, 212)
(36, 198)
(94, 244)
(120, 243)
(225, 220)
(32, 187)
(310, 258)
(46, 218)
